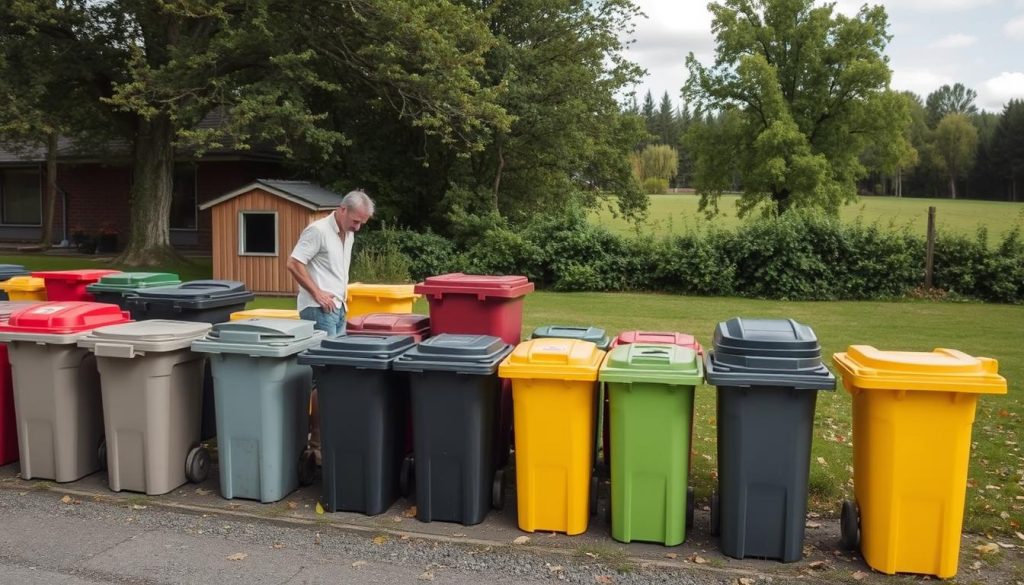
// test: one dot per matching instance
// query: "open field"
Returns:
(677, 213)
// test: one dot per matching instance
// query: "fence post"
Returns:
(929, 259)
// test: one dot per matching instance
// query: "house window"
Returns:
(183, 198)
(257, 233)
(21, 197)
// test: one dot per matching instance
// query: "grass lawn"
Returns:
(192, 269)
(995, 502)
(677, 213)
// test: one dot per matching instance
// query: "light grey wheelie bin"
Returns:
(152, 386)
(262, 399)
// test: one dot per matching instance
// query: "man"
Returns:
(321, 259)
(320, 263)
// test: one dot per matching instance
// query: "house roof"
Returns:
(304, 193)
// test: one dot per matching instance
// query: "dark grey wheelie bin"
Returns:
(364, 410)
(768, 373)
(455, 391)
(113, 288)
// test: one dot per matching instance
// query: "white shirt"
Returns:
(327, 258)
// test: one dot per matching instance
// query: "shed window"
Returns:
(257, 233)
(21, 197)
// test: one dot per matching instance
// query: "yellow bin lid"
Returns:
(23, 284)
(553, 359)
(385, 291)
(265, 314)
(942, 370)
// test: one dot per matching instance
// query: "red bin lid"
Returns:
(85, 274)
(669, 337)
(506, 287)
(59, 317)
(389, 324)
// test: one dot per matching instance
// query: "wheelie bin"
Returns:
(7, 272)
(417, 326)
(201, 301)
(265, 314)
(70, 285)
(112, 288)
(57, 397)
(651, 388)
(152, 388)
(768, 373)
(24, 288)
(363, 299)
(262, 396)
(364, 414)
(454, 392)
(8, 421)
(912, 418)
(554, 385)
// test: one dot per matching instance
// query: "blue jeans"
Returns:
(332, 323)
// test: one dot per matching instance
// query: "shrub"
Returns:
(655, 186)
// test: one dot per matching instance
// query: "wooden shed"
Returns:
(256, 227)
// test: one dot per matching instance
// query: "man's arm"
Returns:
(324, 299)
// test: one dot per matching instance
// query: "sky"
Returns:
(979, 43)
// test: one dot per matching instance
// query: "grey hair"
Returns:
(358, 199)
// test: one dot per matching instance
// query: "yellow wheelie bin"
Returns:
(265, 314)
(912, 417)
(363, 299)
(554, 385)
(24, 288)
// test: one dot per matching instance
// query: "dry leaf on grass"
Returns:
(278, 545)
(380, 539)
(66, 500)
(426, 576)
(319, 508)
(521, 540)
(812, 525)
(293, 505)
(671, 555)
(603, 579)
(976, 565)
(1019, 535)
(745, 581)
(818, 565)
(859, 575)
(410, 512)
(202, 492)
(359, 563)
(986, 549)
(696, 558)
(237, 557)
(138, 507)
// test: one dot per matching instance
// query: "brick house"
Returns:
(93, 191)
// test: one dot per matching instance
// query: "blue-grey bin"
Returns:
(262, 399)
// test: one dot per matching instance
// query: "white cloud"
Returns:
(920, 81)
(998, 90)
(954, 41)
(934, 5)
(1015, 28)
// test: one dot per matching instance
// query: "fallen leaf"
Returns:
(1004, 515)
(458, 534)
(237, 557)
(292, 505)
(138, 507)
(1006, 545)
(554, 568)
(316, 539)
(987, 548)
(396, 519)
(521, 540)
(319, 508)
(821, 461)
(696, 558)
(359, 563)
(426, 576)
(591, 555)
(745, 581)
(1019, 535)
(976, 565)
(859, 575)
(410, 512)
(380, 539)
(812, 525)
(278, 545)
(671, 555)
(202, 492)
(818, 565)
(603, 579)
(66, 500)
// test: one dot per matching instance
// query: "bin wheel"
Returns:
(197, 464)
(407, 477)
(498, 490)
(714, 529)
(849, 525)
(101, 454)
(594, 483)
(307, 467)
(689, 508)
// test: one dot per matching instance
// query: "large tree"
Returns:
(1008, 147)
(804, 89)
(271, 66)
(956, 141)
(950, 99)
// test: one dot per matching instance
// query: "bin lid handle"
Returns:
(114, 350)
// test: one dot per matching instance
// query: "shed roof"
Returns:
(304, 193)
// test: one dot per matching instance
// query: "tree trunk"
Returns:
(49, 200)
(149, 243)
(952, 187)
(497, 176)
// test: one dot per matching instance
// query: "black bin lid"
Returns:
(8, 271)
(197, 294)
(462, 354)
(784, 338)
(375, 352)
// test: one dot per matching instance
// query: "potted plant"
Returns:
(106, 240)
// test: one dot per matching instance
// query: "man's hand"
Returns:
(325, 300)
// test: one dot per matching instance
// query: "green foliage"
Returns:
(655, 185)
(659, 161)
(381, 262)
(955, 99)
(956, 140)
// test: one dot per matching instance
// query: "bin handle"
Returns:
(114, 350)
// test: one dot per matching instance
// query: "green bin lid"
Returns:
(449, 352)
(595, 335)
(373, 352)
(653, 363)
(260, 337)
(132, 281)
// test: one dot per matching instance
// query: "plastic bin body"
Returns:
(57, 397)
(652, 389)
(416, 326)
(265, 314)
(7, 272)
(364, 413)
(768, 374)
(912, 419)
(151, 383)
(112, 288)
(472, 304)
(363, 299)
(24, 288)
(454, 392)
(262, 398)
(8, 421)
(554, 384)
(70, 285)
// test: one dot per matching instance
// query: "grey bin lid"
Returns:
(126, 340)
(195, 294)
(8, 307)
(766, 337)
(374, 352)
(260, 337)
(785, 374)
(595, 335)
(462, 354)
(8, 271)
(755, 363)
